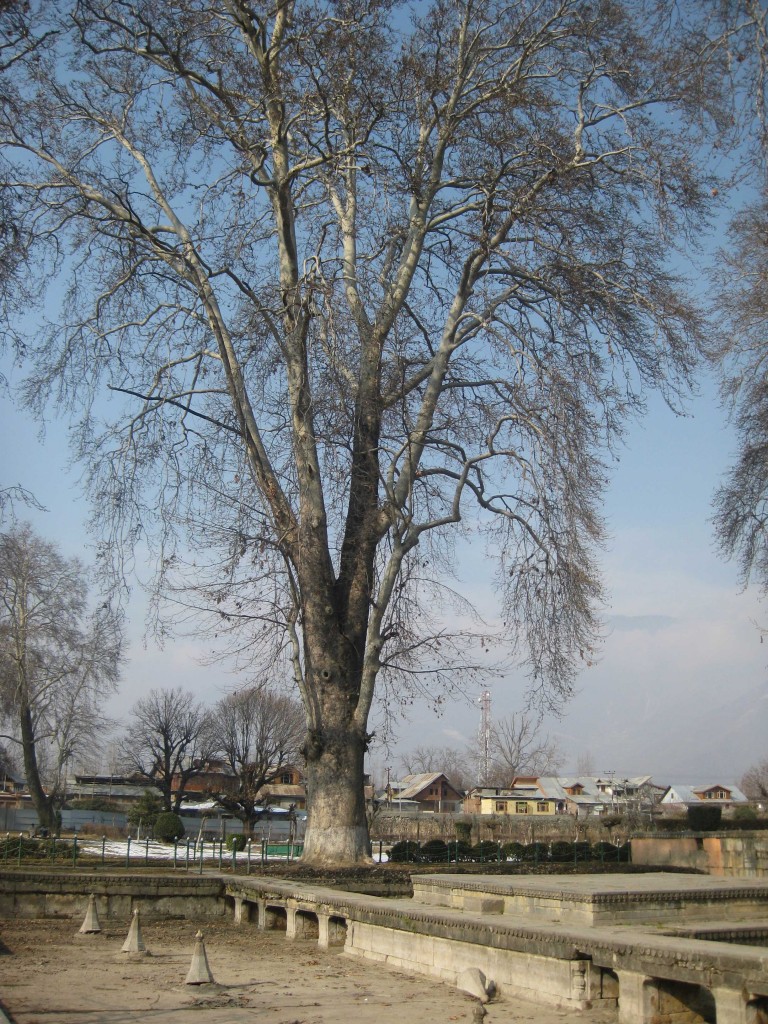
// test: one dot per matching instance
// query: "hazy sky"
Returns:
(680, 688)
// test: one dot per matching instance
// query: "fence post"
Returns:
(263, 851)
(202, 851)
(21, 837)
(221, 851)
(7, 844)
(128, 852)
(103, 848)
(187, 868)
(74, 851)
(248, 865)
(234, 857)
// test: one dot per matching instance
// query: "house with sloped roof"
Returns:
(536, 796)
(679, 797)
(427, 791)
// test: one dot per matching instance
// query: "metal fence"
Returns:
(186, 855)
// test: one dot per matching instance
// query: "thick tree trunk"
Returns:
(46, 812)
(337, 827)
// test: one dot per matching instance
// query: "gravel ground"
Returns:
(50, 974)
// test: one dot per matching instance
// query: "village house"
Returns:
(428, 791)
(678, 798)
(580, 796)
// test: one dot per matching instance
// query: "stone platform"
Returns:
(566, 941)
(599, 899)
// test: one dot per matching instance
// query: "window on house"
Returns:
(542, 807)
(286, 778)
(501, 807)
(521, 807)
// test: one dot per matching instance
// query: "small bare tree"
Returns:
(168, 741)
(754, 784)
(519, 746)
(57, 662)
(258, 732)
(452, 762)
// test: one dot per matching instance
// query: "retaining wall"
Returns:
(732, 855)
(64, 894)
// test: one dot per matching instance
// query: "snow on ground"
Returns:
(149, 849)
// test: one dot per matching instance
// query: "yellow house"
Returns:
(527, 795)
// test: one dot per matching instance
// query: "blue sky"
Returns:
(680, 688)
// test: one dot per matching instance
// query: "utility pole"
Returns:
(484, 736)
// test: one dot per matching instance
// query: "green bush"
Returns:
(744, 813)
(459, 850)
(463, 831)
(561, 851)
(146, 810)
(744, 824)
(675, 824)
(434, 852)
(406, 851)
(236, 842)
(168, 826)
(605, 852)
(536, 853)
(513, 851)
(485, 851)
(704, 818)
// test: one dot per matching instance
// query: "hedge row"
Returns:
(438, 851)
(723, 825)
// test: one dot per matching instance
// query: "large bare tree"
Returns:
(167, 742)
(57, 664)
(347, 282)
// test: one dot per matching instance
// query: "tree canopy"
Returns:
(344, 282)
(57, 662)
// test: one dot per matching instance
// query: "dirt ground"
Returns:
(50, 974)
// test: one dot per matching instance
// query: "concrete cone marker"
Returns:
(134, 942)
(91, 923)
(199, 971)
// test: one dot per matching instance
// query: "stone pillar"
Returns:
(579, 979)
(261, 914)
(638, 996)
(730, 1006)
(242, 910)
(323, 931)
(290, 924)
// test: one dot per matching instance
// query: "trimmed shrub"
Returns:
(582, 851)
(406, 851)
(463, 831)
(605, 852)
(435, 852)
(168, 826)
(561, 851)
(459, 850)
(485, 851)
(236, 842)
(513, 851)
(704, 818)
(536, 853)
